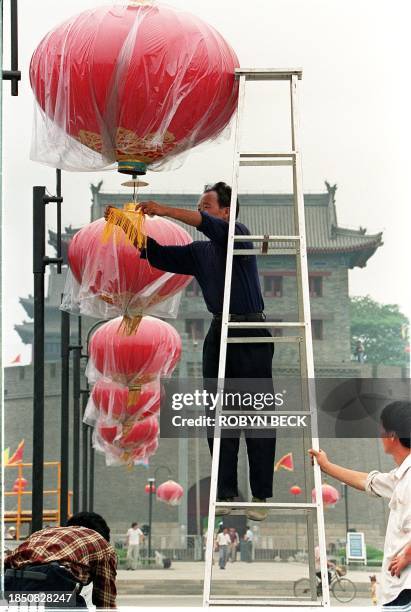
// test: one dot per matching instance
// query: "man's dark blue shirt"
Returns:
(206, 261)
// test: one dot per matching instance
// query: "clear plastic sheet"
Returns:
(170, 492)
(134, 84)
(108, 278)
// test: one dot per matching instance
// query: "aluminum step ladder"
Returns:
(295, 245)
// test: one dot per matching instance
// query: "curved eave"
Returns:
(361, 253)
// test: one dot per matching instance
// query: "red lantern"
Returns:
(109, 432)
(140, 433)
(115, 401)
(21, 482)
(113, 279)
(170, 492)
(147, 488)
(330, 495)
(135, 84)
(151, 351)
(295, 490)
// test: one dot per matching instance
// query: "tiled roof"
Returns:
(273, 214)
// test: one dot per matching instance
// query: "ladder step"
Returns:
(268, 74)
(250, 340)
(257, 324)
(264, 602)
(267, 238)
(276, 506)
(283, 251)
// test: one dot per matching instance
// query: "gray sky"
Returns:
(355, 129)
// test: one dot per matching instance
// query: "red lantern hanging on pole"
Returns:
(135, 84)
(330, 495)
(170, 492)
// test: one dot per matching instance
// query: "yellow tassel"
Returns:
(133, 394)
(131, 220)
(129, 325)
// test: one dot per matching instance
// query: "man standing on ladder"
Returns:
(206, 261)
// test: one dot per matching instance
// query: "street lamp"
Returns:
(151, 489)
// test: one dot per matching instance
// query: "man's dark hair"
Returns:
(223, 192)
(91, 520)
(134, 524)
(396, 419)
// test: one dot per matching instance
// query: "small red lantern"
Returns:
(149, 487)
(140, 434)
(330, 495)
(153, 350)
(111, 278)
(170, 492)
(21, 482)
(135, 84)
(295, 490)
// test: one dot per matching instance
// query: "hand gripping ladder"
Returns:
(303, 338)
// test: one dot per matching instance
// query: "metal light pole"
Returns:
(344, 494)
(40, 262)
(151, 482)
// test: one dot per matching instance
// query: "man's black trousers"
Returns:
(244, 361)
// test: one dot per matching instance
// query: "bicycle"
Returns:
(343, 589)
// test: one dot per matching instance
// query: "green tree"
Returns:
(382, 329)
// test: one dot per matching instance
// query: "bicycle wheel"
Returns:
(302, 588)
(343, 590)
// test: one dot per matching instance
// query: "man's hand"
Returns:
(321, 457)
(152, 208)
(398, 564)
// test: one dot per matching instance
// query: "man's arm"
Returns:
(214, 228)
(177, 259)
(350, 477)
(189, 217)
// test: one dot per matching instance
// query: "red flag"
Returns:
(18, 455)
(286, 462)
(17, 359)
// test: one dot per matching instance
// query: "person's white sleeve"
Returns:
(405, 501)
(380, 484)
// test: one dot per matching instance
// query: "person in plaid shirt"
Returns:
(77, 554)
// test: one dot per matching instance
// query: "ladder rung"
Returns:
(259, 340)
(267, 162)
(268, 74)
(264, 602)
(257, 324)
(274, 505)
(267, 238)
(268, 154)
(283, 251)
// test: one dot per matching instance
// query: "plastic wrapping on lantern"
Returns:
(107, 278)
(150, 352)
(115, 402)
(126, 443)
(137, 84)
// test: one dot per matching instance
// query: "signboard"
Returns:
(356, 550)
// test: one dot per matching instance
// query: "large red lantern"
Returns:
(132, 84)
(112, 280)
(153, 350)
(170, 492)
(330, 495)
